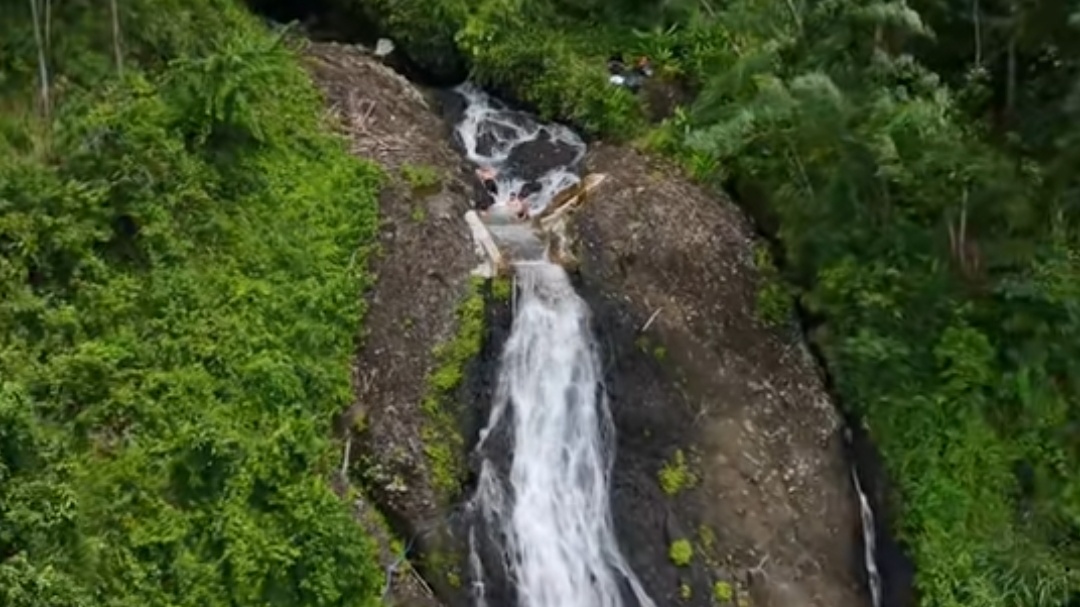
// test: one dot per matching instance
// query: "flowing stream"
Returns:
(542, 502)
(541, 512)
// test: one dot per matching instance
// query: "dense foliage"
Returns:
(181, 257)
(927, 222)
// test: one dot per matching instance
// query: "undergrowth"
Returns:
(443, 443)
(182, 251)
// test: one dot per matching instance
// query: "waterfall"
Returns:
(542, 503)
(548, 510)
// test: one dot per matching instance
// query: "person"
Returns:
(489, 188)
(487, 176)
(644, 67)
(519, 207)
(632, 78)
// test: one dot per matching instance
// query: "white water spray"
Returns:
(489, 126)
(552, 508)
(869, 542)
(543, 492)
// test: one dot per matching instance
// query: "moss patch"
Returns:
(681, 552)
(676, 475)
(421, 178)
(502, 288)
(443, 443)
(723, 592)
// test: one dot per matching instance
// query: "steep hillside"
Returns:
(924, 231)
(182, 254)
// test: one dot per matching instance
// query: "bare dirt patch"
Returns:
(766, 503)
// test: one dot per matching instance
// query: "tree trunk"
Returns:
(116, 38)
(978, 32)
(43, 69)
(48, 29)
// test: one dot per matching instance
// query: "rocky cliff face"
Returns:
(763, 494)
(730, 483)
(422, 270)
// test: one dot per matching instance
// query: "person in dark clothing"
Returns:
(616, 65)
(631, 78)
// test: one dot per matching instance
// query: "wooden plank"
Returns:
(483, 237)
(573, 196)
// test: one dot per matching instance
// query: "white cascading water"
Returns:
(873, 577)
(502, 129)
(546, 512)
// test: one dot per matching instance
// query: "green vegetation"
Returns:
(676, 475)
(722, 592)
(443, 443)
(502, 288)
(685, 592)
(681, 552)
(421, 178)
(182, 249)
(706, 537)
(419, 214)
(180, 268)
(774, 302)
(924, 189)
(453, 579)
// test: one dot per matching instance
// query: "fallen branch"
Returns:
(43, 70)
(118, 55)
(649, 322)
(345, 457)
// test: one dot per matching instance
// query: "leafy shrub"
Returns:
(179, 285)
(681, 552)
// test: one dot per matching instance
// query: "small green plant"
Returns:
(659, 353)
(360, 423)
(421, 178)
(453, 579)
(676, 474)
(685, 592)
(722, 592)
(681, 552)
(706, 537)
(418, 214)
(774, 303)
(502, 288)
(774, 299)
(702, 166)
(642, 343)
(443, 442)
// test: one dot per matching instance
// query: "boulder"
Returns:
(757, 483)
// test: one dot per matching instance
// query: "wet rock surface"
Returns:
(766, 503)
(532, 159)
(529, 160)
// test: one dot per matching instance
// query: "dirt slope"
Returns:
(772, 508)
